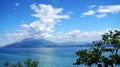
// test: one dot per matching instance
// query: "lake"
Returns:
(48, 57)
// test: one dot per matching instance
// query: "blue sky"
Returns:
(57, 20)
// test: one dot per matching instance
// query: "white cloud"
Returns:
(17, 4)
(47, 13)
(100, 15)
(102, 11)
(90, 12)
(79, 36)
(92, 6)
(72, 36)
(47, 16)
(109, 9)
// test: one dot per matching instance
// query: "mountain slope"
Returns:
(37, 43)
(31, 43)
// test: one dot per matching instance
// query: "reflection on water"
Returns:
(48, 57)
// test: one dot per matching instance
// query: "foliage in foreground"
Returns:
(27, 63)
(95, 54)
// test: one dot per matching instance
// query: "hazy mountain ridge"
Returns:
(37, 43)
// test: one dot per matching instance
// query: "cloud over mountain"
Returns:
(47, 16)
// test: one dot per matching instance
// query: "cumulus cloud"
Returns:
(47, 13)
(78, 36)
(47, 16)
(102, 11)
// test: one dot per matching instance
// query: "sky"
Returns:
(57, 20)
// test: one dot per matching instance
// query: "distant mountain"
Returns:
(75, 44)
(31, 43)
(37, 43)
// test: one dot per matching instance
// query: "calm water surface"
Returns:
(48, 57)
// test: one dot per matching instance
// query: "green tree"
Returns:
(30, 63)
(6, 64)
(94, 55)
(17, 65)
(112, 38)
(35, 63)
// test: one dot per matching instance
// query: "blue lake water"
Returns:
(48, 57)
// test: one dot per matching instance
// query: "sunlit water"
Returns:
(48, 57)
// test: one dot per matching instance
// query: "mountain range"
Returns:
(38, 43)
